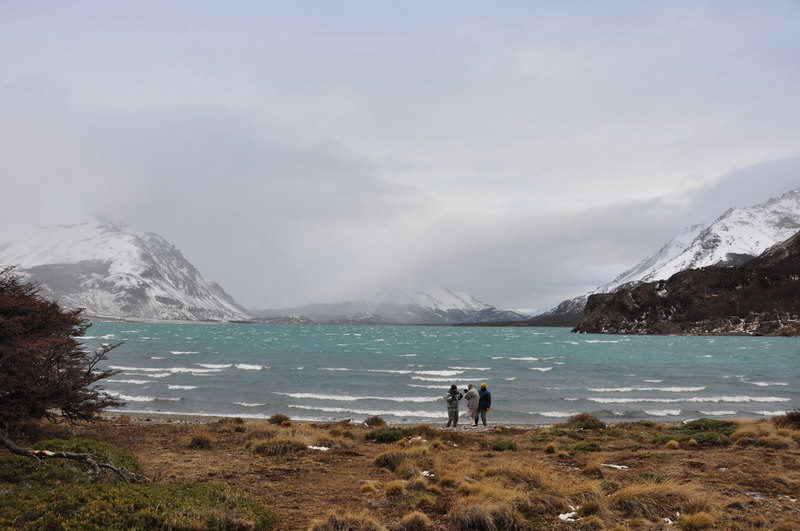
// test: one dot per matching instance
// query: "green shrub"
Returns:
(279, 418)
(126, 506)
(387, 434)
(17, 469)
(586, 447)
(499, 444)
(390, 460)
(584, 421)
(709, 432)
(374, 421)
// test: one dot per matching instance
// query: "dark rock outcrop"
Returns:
(760, 297)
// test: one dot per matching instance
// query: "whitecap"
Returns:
(663, 412)
(601, 341)
(406, 355)
(471, 368)
(510, 378)
(690, 399)
(250, 404)
(653, 381)
(141, 398)
(334, 369)
(162, 369)
(767, 384)
(137, 382)
(439, 373)
(157, 357)
(183, 352)
(429, 386)
(530, 358)
(248, 367)
(540, 369)
(350, 398)
(390, 371)
(187, 387)
(382, 413)
(552, 414)
(718, 413)
(629, 389)
(769, 413)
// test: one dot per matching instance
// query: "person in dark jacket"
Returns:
(452, 397)
(484, 403)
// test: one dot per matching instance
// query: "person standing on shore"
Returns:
(452, 398)
(484, 403)
(472, 398)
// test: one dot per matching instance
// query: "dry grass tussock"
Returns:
(658, 500)
(201, 440)
(414, 521)
(527, 476)
(696, 522)
(347, 522)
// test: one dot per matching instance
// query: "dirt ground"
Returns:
(743, 487)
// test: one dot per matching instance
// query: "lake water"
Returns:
(536, 375)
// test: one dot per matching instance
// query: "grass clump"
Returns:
(414, 521)
(583, 421)
(389, 460)
(672, 444)
(696, 521)
(709, 432)
(280, 445)
(387, 434)
(128, 506)
(586, 447)
(499, 444)
(347, 522)
(375, 421)
(279, 419)
(201, 441)
(528, 476)
(656, 500)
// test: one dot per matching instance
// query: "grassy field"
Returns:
(229, 474)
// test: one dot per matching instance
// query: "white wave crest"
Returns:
(250, 404)
(767, 384)
(653, 381)
(699, 399)
(142, 398)
(184, 352)
(540, 369)
(529, 358)
(429, 386)
(173, 370)
(439, 373)
(382, 413)
(248, 367)
(350, 398)
(215, 365)
(390, 371)
(137, 382)
(718, 413)
(663, 412)
(629, 389)
(553, 414)
(187, 387)
(601, 341)
(471, 368)
(334, 369)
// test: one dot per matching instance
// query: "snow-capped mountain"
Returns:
(425, 304)
(117, 273)
(737, 236)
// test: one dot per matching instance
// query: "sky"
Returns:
(306, 151)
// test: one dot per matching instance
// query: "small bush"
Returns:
(696, 522)
(347, 522)
(550, 448)
(656, 500)
(790, 419)
(133, 506)
(499, 444)
(584, 421)
(280, 419)
(375, 421)
(280, 446)
(387, 434)
(201, 441)
(586, 447)
(389, 460)
(415, 521)
(672, 444)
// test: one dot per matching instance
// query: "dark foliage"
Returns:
(44, 371)
(790, 419)
(387, 434)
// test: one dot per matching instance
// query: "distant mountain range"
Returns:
(421, 304)
(117, 273)
(760, 297)
(738, 235)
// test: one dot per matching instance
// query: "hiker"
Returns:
(484, 403)
(452, 397)
(472, 398)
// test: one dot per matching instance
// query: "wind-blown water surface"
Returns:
(536, 375)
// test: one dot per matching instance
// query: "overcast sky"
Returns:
(299, 152)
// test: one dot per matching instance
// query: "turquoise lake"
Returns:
(536, 375)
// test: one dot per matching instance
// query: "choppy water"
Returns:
(536, 375)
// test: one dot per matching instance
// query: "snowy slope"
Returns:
(117, 273)
(420, 304)
(740, 234)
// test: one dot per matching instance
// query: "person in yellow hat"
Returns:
(484, 403)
